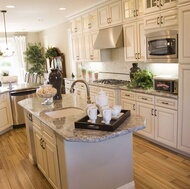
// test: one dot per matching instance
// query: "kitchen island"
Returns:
(85, 158)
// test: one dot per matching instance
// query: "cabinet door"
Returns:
(141, 41)
(130, 42)
(115, 16)
(184, 37)
(103, 16)
(52, 163)
(166, 126)
(147, 111)
(151, 6)
(129, 105)
(77, 47)
(4, 123)
(184, 109)
(152, 21)
(76, 25)
(40, 152)
(132, 9)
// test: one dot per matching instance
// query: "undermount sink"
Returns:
(65, 112)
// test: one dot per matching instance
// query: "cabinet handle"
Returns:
(136, 56)
(152, 112)
(161, 20)
(133, 106)
(43, 144)
(158, 3)
(41, 141)
(144, 98)
(137, 12)
(139, 55)
(158, 19)
(127, 95)
(155, 112)
(75, 29)
(165, 103)
(134, 13)
(161, 3)
(110, 21)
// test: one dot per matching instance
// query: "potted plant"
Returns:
(51, 52)
(34, 56)
(90, 74)
(83, 70)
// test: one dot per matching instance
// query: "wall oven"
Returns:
(162, 46)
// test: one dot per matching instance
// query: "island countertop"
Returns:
(65, 127)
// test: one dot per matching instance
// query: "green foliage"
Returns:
(51, 52)
(142, 79)
(5, 73)
(34, 56)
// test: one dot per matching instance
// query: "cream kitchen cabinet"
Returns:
(145, 107)
(161, 19)
(128, 101)
(110, 15)
(46, 152)
(156, 5)
(80, 90)
(76, 25)
(165, 113)
(77, 47)
(184, 31)
(184, 109)
(134, 41)
(90, 21)
(91, 54)
(6, 122)
(132, 9)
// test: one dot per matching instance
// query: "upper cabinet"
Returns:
(161, 19)
(156, 5)
(90, 21)
(134, 41)
(132, 9)
(76, 25)
(184, 31)
(110, 15)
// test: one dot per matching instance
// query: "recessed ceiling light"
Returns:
(10, 6)
(62, 8)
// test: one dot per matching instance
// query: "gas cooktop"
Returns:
(111, 81)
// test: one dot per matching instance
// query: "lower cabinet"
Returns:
(5, 112)
(160, 113)
(46, 152)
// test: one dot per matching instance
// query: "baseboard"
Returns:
(31, 159)
(130, 185)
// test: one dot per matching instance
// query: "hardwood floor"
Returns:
(154, 166)
(158, 168)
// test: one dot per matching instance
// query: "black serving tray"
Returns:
(114, 123)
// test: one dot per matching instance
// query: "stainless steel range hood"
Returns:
(109, 38)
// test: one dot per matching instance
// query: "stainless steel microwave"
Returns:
(162, 46)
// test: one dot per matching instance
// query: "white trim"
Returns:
(130, 185)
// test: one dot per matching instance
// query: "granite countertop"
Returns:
(17, 87)
(124, 87)
(64, 126)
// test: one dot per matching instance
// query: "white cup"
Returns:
(106, 115)
(92, 114)
(116, 109)
(90, 106)
(101, 108)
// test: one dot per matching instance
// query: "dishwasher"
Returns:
(17, 110)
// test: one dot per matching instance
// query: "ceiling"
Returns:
(38, 15)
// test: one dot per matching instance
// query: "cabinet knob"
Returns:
(161, 20)
(137, 12)
(134, 13)
(158, 20)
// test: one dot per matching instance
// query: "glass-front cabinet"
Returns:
(132, 9)
(156, 5)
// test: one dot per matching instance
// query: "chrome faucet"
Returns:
(87, 89)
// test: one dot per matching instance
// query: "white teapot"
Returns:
(102, 98)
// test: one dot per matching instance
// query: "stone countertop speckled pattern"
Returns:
(64, 126)
(150, 91)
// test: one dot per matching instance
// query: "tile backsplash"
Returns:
(113, 65)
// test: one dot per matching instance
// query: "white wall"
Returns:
(58, 37)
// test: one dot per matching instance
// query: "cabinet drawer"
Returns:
(37, 122)
(166, 102)
(68, 83)
(4, 97)
(49, 134)
(149, 99)
(94, 89)
(128, 95)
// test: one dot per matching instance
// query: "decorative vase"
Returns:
(134, 69)
(56, 79)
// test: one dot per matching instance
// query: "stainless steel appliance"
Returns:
(162, 46)
(17, 111)
(166, 84)
(111, 81)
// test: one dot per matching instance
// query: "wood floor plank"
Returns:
(4, 182)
